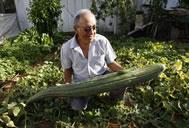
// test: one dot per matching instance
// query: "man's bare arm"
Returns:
(68, 75)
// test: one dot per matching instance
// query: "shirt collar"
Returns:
(75, 46)
(74, 43)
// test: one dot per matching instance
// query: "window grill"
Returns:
(7, 6)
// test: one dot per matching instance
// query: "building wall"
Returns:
(72, 6)
(68, 11)
(21, 10)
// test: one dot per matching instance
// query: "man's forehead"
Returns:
(87, 18)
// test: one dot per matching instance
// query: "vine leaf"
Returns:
(178, 65)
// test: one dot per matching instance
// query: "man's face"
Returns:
(86, 29)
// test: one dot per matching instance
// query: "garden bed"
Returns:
(163, 102)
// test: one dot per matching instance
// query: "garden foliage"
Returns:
(163, 102)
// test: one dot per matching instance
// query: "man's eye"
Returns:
(88, 29)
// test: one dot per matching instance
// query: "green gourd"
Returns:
(125, 78)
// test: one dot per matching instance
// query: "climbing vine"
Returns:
(124, 10)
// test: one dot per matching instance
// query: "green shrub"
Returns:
(44, 15)
(28, 46)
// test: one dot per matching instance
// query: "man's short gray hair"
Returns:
(79, 14)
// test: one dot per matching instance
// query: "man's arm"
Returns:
(114, 66)
(68, 75)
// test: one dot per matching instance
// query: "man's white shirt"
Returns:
(100, 54)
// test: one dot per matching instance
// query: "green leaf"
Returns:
(16, 110)
(163, 75)
(11, 105)
(179, 105)
(22, 104)
(5, 118)
(185, 59)
(187, 54)
(178, 65)
(11, 124)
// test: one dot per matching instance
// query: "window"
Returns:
(7, 6)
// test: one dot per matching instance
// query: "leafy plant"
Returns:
(28, 46)
(163, 102)
(44, 15)
(184, 3)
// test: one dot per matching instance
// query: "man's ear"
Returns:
(76, 29)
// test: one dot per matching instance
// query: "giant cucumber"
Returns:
(125, 78)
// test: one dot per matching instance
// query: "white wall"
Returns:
(21, 6)
(172, 4)
(8, 26)
(68, 12)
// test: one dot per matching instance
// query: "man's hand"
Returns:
(114, 66)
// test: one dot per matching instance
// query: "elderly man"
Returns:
(87, 55)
